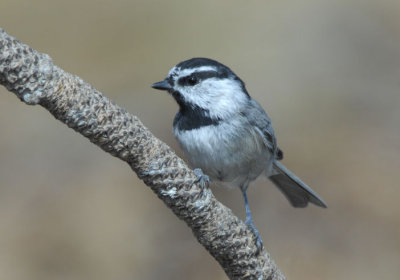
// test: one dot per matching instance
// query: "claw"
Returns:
(202, 178)
(258, 239)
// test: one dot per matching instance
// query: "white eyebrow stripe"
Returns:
(173, 71)
(187, 72)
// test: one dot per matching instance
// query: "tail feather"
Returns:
(298, 193)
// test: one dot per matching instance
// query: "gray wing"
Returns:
(262, 123)
(297, 192)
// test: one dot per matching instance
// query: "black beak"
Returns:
(163, 85)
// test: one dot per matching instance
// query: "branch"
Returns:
(34, 78)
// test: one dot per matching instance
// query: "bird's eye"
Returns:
(192, 81)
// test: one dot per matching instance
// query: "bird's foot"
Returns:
(202, 178)
(258, 240)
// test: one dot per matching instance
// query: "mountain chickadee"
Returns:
(227, 134)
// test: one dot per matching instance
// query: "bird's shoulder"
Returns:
(258, 118)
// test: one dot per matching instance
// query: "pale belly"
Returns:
(232, 159)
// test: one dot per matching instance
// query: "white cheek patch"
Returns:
(228, 97)
(221, 97)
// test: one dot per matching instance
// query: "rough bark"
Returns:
(34, 78)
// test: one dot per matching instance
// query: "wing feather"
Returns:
(259, 119)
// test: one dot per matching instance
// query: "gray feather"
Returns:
(257, 118)
(298, 193)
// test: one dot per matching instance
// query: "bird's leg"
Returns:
(249, 222)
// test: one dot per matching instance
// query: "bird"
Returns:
(226, 135)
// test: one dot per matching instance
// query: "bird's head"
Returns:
(205, 84)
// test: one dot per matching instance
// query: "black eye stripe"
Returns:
(201, 76)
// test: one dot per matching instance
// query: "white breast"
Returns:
(227, 152)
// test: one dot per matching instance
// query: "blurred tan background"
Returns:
(326, 71)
